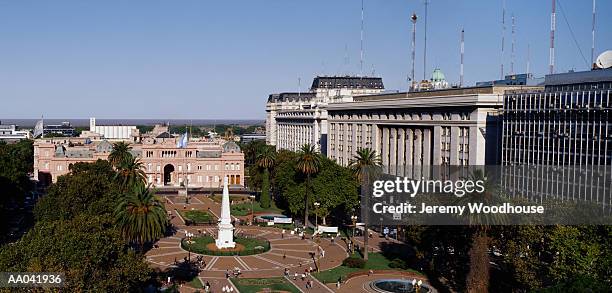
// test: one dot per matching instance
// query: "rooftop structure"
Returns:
(294, 118)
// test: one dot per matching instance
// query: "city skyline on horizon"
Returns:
(175, 61)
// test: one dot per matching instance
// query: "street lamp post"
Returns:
(316, 205)
(252, 197)
(354, 220)
(189, 236)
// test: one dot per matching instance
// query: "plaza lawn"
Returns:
(376, 261)
(250, 246)
(199, 217)
(261, 285)
(244, 209)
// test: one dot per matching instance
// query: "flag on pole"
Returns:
(182, 141)
(38, 129)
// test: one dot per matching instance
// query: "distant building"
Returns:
(436, 82)
(201, 164)
(64, 129)
(113, 132)
(295, 119)
(10, 133)
(514, 79)
(248, 137)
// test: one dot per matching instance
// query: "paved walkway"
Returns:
(287, 251)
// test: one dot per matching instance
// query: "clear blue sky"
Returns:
(220, 59)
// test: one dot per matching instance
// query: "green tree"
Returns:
(16, 163)
(308, 163)
(130, 172)
(88, 189)
(265, 160)
(87, 249)
(120, 154)
(362, 164)
(141, 217)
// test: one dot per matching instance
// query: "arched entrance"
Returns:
(168, 169)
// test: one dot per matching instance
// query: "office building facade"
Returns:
(295, 119)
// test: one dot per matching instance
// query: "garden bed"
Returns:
(244, 246)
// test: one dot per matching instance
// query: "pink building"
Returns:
(201, 163)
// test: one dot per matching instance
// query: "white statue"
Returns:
(226, 229)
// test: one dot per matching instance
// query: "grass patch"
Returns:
(376, 261)
(233, 198)
(199, 217)
(251, 246)
(244, 209)
(259, 285)
(196, 283)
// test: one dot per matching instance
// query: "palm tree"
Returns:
(363, 165)
(130, 173)
(478, 276)
(308, 163)
(120, 153)
(140, 216)
(266, 159)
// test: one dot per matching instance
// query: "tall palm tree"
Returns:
(478, 276)
(266, 159)
(308, 163)
(130, 173)
(140, 216)
(120, 153)
(364, 164)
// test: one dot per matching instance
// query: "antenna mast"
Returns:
(461, 68)
(512, 47)
(425, 47)
(553, 24)
(413, 18)
(361, 44)
(593, 36)
(528, 59)
(503, 38)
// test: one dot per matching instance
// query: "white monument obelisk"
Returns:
(226, 229)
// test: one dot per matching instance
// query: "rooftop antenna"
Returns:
(528, 59)
(593, 36)
(299, 86)
(346, 59)
(553, 24)
(425, 44)
(413, 18)
(361, 44)
(512, 47)
(373, 70)
(461, 67)
(503, 38)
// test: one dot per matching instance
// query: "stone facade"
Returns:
(295, 119)
(440, 127)
(201, 163)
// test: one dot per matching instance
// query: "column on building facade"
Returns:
(426, 146)
(316, 137)
(393, 150)
(418, 152)
(437, 143)
(385, 147)
(409, 145)
(401, 150)
(454, 145)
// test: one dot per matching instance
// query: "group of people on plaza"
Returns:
(305, 276)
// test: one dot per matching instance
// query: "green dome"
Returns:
(437, 75)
